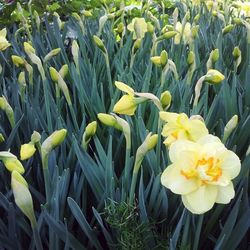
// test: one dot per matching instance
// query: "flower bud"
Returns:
(236, 53)
(52, 53)
(91, 129)
(214, 76)
(156, 60)
(22, 196)
(17, 60)
(86, 13)
(197, 18)
(120, 28)
(64, 70)
(21, 79)
(99, 43)
(76, 16)
(165, 99)
(53, 74)
(54, 140)
(109, 120)
(12, 163)
(152, 141)
(227, 29)
(137, 44)
(35, 137)
(4, 44)
(150, 27)
(190, 58)
(27, 151)
(89, 132)
(164, 58)
(167, 35)
(28, 48)
(215, 55)
(230, 126)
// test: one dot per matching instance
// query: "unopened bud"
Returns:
(230, 126)
(28, 48)
(214, 76)
(35, 137)
(22, 196)
(164, 58)
(53, 74)
(12, 163)
(27, 151)
(86, 13)
(109, 120)
(17, 60)
(165, 99)
(236, 53)
(190, 58)
(99, 43)
(227, 29)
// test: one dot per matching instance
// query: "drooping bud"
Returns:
(51, 54)
(53, 74)
(17, 60)
(35, 137)
(214, 76)
(227, 29)
(109, 120)
(12, 163)
(54, 140)
(28, 48)
(22, 196)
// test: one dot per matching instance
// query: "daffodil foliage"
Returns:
(124, 124)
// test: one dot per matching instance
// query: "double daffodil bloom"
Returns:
(4, 44)
(139, 27)
(179, 126)
(201, 172)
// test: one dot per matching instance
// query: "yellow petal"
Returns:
(3, 32)
(176, 149)
(197, 129)
(125, 106)
(176, 182)
(201, 200)
(124, 87)
(231, 164)
(168, 116)
(27, 151)
(225, 194)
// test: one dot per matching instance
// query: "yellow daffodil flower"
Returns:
(139, 27)
(201, 172)
(179, 126)
(4, 44)
(184, 32)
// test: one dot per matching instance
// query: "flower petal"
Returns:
(231, 164)
(124, 87)
(176, 182)
(225, 194)
(177, 148)
(197, 129)
(201, 200)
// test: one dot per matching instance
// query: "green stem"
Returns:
(126, 169)
(47, 107)
(132, 187)
(37, 238)
(158, 146)
(109, 73)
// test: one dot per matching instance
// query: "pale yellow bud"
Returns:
(27, 151)
(214, 76)
(165, 99)
(53, 74)
(18, 61)
(99, 43)
(28, 48)
(22, 196)
(109, 120)
(13, 164)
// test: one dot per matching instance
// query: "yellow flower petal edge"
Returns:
(179, 126)
(201, 172)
